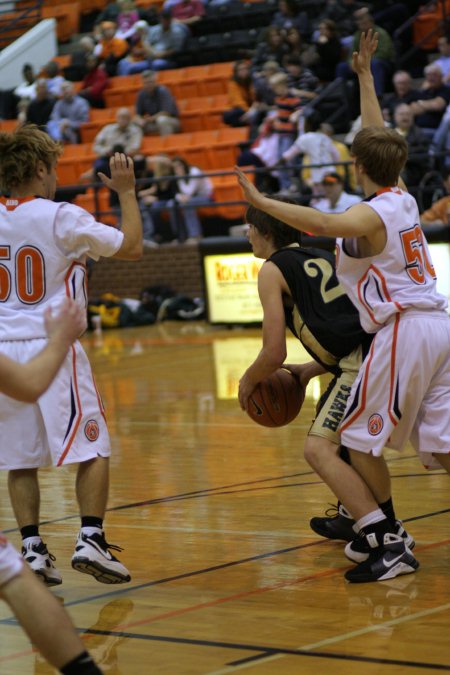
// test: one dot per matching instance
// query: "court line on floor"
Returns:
(217, 601)
(210, 492)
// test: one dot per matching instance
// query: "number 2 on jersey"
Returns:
(417, 261)
(29, 275)
(319, 265)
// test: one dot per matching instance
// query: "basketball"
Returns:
(277, 400)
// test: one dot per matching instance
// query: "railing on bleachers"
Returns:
(16, 18)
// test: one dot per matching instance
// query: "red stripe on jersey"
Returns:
(384, 287)
(80, 413)
(394, 190)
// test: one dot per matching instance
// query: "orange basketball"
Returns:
(277, 400)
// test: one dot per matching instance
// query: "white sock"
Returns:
(369, 519)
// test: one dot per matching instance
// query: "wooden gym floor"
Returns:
(213, 513)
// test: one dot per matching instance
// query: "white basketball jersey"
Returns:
(43, 249)
(402, 276)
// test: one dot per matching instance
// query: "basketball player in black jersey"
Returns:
(298, 288)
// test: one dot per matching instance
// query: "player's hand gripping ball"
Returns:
(277, 400)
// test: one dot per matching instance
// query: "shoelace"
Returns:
(102, 541)
(333, 511)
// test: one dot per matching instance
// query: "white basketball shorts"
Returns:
(67, 424)
(402, 391)
(11, 562)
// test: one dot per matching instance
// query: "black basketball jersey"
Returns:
(319, 313)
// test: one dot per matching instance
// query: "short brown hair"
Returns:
(20, 153)
(382, 152)
(281, 233)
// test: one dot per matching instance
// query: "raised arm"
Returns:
(371, 114)
(123, 182)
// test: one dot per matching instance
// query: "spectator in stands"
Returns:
(77, 68)
(165, 41)
(55, 80)
(294, 42)
(281, 122)
(112, 10)
(127, 18)
(302, 82)
(68, 115)
(187, 12)
(318, 147)
(382, 63)
(136, 60)
(443, 61)
(290, 15)
(346, 168)
(439, 212)
(156, 108)
(273, 48)
(94, 83)
(404, 92)
(155, 199)
(27, 88)
(263, 90)
(110, 49)
(342, 12)
(434, 96)
(119, 136)
(193, 190)
(328, 50)
(335, 199)
(418, 161)
(245, 109)
(40, 108)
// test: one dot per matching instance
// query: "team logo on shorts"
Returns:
(3, 541)
(375, 424)
(91, 430)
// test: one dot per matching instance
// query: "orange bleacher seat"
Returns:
(125, 81)
(76, 150)
(104, 115)
(68, 171)
(224, 69)
(153, 145)
(212, 86)
(115, 98)
(88, 201)
(67, 19)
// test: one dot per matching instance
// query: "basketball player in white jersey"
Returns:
(39, 613)
(43, 250)
(403, 387)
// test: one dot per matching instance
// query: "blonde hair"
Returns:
(382, 152)
(20, 153)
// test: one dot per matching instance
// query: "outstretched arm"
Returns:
(358, 221)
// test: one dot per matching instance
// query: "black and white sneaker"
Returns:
(92, 556)
(41, 562)
(359, 549)
(338, 524)
(388, 561)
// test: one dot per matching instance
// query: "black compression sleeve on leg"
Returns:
(83, 664)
